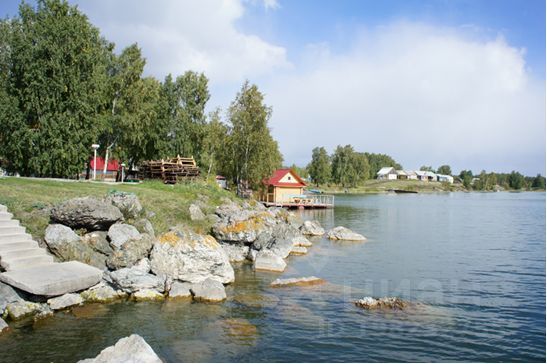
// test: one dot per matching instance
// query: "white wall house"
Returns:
(387, 173)
(411, 175)
(445, 178)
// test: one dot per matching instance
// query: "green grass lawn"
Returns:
(30, 199)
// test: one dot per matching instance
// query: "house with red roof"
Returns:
(283, 187)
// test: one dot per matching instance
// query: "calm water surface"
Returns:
(474, 264)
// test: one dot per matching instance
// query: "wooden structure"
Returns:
(169, 170)
(286, 189)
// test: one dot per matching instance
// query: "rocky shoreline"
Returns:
(114, 235)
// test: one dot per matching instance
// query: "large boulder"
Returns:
(121, 233)
(284, 236)
(3, 325)
(97, 241)
(131, 349)
(209, 290)
(128, 203)
(312, 228)
(145, 226)
(180, 290)
(147, 294)
(7, 295)
(132, 280)
(342, 233)
(235, 252)
(186, 256)
(130, 252)
(67, 246)
(267, 260)
(87, 213)
(64, 301)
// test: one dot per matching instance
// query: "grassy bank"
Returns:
(376, 186)
(30, 200)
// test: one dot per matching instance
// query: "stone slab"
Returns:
(53, 279)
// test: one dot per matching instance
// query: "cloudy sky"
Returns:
(459, 82)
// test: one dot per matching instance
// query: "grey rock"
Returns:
(252, 254)
(53, 279)
(147, 294)
(267, 260)
(3, 325)
(263, 240)
(132, 280)
(180, 290)
(299, 250)
(283, 235)
(64, 301)
(130, 252)
(301, 241)
(186, 256)
(370, 303)
(86, 212)
(98, 242)
(128, 203)
(7, 295)
(131, 349)
(235, 252)
(342, 233)
(121, 233)
(302, 281)
(21, 309)
(196, 213)
(102, 293)
(312, 228)
(209, 290)
(44, 312)
(143, 265)
(294, 220)
(144, 226)
(67, 246)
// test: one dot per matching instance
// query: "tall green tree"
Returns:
(467, 178)
(444, 169)
(185, 99)
(214, 143)
(427, 168)
(515, 180)
(320, 166)
(378, 161)
(539, 182)
(349, 167)
(252, 153)
(54, 88)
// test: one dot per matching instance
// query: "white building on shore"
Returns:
(390, 173)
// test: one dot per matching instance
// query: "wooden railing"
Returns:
(304, 200)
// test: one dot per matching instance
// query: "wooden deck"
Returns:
(308, 202)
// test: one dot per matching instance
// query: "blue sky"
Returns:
(428, 82)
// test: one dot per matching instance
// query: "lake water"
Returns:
(473, 264)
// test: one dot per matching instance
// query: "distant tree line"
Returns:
(349, 168)
(62, 88)
(346, 167)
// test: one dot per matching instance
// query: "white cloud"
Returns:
(426, 95)
(176, 36)
(271, 4)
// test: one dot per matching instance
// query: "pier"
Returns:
(301, 201)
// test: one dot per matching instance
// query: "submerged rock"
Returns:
(64, 301)
(131, 349)
(147, 295)
(87, 213)
(21, 309)
(189, 257)
(128, 203)
(303, 281)
(131, 280)
(180, 290)
(209, 290)
(299, 250)
(370, 303)
(67, 246)
(267, 260)
(102, 293)
(312, 228)
(342, 233)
